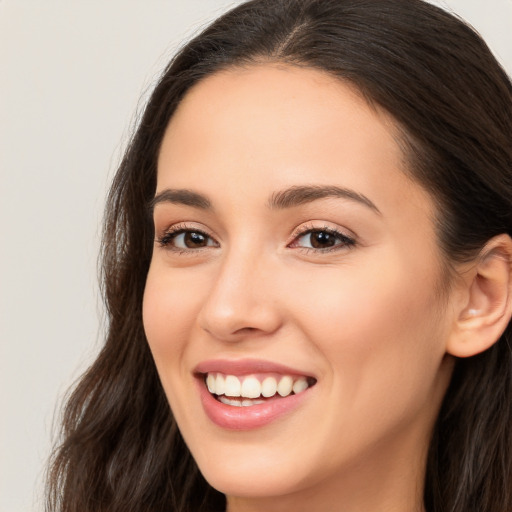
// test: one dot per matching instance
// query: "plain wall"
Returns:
(72, 75)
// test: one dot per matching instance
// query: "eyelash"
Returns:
(167, 238)
(174, 231)
(346, 241)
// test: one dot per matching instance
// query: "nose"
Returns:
(242, 301)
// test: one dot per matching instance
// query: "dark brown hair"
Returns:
(121, 450)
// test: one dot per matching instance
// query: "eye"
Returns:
(191, 240)
(184, 239)
(322, 240)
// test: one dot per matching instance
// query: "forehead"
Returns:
(269, 126)
(279, 105)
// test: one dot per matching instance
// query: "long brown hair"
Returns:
(121, 449)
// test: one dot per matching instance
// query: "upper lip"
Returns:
(247, 367)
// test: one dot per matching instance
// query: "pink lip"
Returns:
(246, 367)
(255, 416)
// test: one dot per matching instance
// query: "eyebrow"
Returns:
(181, 196)
(288, 198)
(297, 195)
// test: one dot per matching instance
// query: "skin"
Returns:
(367, 320)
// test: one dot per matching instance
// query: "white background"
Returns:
(72, 75)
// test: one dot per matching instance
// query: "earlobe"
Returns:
(487, 308)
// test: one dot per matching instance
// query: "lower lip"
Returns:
(250, 417)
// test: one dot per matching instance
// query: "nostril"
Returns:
(234, 320)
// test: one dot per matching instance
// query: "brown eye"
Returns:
(322, 239)
(187, 240)
(193, 240)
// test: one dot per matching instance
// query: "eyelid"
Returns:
(346, 239)
(182, 227)
(349, 238)
(320, 225)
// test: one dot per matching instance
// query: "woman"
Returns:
(307, 257)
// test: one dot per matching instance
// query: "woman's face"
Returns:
(292, 252)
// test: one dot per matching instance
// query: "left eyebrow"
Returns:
(181, 196)
(297, 195)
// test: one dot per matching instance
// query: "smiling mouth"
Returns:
(254, 389)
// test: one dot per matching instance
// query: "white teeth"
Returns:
(269, 387)
(219, 385)
(284, 388)
(210, 382)
(250, 387)
(232, 386)
(239, 403)
(229, 401)
(300, 385)
(248, 403)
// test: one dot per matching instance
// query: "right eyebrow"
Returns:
(181, 196)
(302, 194)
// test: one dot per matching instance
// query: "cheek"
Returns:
(380, 331)
(169, 310)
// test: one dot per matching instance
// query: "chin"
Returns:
(251, 481)
(253, 472)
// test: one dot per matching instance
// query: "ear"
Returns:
(487, 300)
